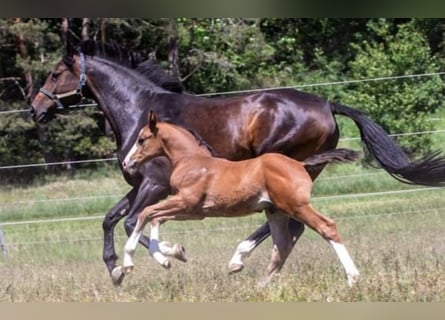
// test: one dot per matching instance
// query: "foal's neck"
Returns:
(179, 144)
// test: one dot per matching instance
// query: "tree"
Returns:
(398, 105)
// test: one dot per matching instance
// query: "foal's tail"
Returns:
(339, 155)
(429, 170)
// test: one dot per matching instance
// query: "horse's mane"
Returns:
(148, 67)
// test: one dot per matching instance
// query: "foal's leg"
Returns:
(166, 209)
(155, 250)
(148, 194)
(327, 228)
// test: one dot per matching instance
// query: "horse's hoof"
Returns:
(117, 275)
(262, 284)
(235, 268)
(167, 264)
(179, 253)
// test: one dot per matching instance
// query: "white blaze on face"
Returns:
(129, 155)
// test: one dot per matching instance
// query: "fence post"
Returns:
(2, 242)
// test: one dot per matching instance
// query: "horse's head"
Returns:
(147, 146)
(63, 87)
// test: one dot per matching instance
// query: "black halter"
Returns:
(82, 81)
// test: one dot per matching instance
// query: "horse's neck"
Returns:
(179, 145)
(115, 90)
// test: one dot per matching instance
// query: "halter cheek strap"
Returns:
(82, 81)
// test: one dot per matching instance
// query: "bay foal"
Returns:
(206, 186)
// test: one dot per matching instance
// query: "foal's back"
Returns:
(233, 188)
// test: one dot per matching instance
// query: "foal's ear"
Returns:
(152, 122)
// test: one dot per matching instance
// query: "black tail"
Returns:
(429, 170)
(339, 155)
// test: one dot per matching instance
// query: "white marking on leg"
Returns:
(130, 247)
(243, 250)
(346, 260)
(154, 248)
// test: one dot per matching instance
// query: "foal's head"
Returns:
(164, 138)
(147, 146)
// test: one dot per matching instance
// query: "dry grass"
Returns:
(399, 260)
(397, 241)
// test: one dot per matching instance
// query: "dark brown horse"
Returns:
(290, 122)
(207, 186)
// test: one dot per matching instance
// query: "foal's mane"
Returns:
(198, 138)
(131, 59)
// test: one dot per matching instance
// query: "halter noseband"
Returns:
(82, 81)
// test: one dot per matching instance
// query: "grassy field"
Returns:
(394, 232)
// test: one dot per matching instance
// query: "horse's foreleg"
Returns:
(110, 257)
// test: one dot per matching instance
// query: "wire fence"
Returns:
(342, 82)
(221, 229)
(300, 86)
(232, 228)
(94, 217)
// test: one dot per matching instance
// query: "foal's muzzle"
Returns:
(129, 166)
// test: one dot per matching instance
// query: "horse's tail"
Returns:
(429, 170)
(339, 155)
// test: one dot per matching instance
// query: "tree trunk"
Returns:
(64, 30)
(173, 50)
(23, 52)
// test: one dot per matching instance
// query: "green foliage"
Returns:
(398, 105)
(78, 136)
(224, 54)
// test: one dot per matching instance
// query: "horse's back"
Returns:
(283, 120)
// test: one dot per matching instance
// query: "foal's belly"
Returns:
(232, 206)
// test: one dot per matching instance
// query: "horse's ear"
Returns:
(70, 47)
(88, 47)
(152, 122)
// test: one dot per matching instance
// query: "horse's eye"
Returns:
(55, 75)
(141, 141)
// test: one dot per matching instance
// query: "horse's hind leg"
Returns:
(246, 247)
(327, 228)
(283, 242)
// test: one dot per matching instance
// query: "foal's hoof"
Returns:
(179, 252)
(353, 280)
(117, 275)
(128, 269)
(235, 268)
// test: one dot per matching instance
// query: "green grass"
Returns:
(396, 240)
